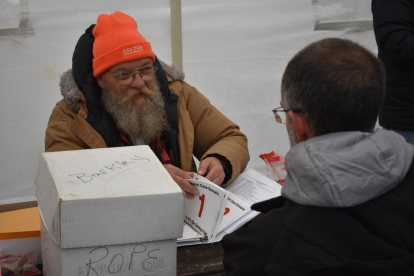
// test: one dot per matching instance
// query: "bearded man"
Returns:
(119, 94)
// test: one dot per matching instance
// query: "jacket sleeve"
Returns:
(214, 133)
(248, 251)
(57, 138)
(67, 130)
(394, 30)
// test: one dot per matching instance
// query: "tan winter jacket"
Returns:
(203, 130)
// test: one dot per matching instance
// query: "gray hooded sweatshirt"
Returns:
(345, 169)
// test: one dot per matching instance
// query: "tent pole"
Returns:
(176, 34)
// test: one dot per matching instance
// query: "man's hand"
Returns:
(213, 169)
(179, 177)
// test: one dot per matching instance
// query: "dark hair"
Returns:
(340, 85)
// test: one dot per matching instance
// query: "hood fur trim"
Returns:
(175, 73)
(71, 92)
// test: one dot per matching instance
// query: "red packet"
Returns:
(275, 166)
(19, 265)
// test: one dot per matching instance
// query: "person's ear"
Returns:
(101, 81)
(300, 126)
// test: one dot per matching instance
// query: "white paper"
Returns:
(241, 221)
(203, 212)
(234, 205)
(248, 188)
(189, 234)
(252, 187)
(235, 209)
(189, 237)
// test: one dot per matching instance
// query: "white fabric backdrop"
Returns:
(234, 52)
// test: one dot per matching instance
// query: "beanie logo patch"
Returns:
(132, 49)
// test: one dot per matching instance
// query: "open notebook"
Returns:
(218, 211)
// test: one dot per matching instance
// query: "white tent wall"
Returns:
(234, 52)
(30, 71)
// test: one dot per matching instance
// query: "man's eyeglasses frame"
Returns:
(136, 71)
(280, 109)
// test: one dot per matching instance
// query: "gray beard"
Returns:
(147, 121)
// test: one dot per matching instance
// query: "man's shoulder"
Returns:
(173, 73)
(68, 130)
(267, 226)
(247, 250)
(297, 238)
(61, 111)
(175, 77)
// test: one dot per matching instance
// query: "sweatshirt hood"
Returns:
(346, 169)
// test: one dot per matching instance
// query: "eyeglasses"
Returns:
(280, 109)
(127, 76)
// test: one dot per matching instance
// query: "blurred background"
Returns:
(233, 51)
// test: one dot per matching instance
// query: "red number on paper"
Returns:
(226, 211)
(202, 198)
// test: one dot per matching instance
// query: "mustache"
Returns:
(133, 92)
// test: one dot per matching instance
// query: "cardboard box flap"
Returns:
(48, 200)
(108, 196)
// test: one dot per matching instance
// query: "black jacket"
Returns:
(373, 238)
(394, 33)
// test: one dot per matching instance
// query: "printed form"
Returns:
(251, 187)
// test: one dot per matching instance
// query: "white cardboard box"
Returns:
(137, 259)
(114, 198)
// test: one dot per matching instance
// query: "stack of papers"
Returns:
(217, 211)
(190, 237)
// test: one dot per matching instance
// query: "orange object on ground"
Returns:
(19, 224)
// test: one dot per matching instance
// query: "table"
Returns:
(202, 259)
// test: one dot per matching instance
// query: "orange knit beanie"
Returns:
(117, 40)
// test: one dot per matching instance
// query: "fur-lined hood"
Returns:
(71, 92)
